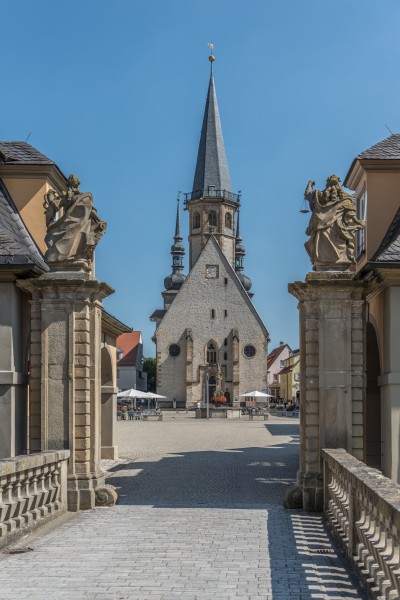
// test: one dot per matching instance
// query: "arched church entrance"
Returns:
(373, 402)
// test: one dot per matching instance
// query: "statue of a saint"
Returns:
(73, 226)
(332, 226)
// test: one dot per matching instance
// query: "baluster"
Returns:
(57, 485)
(3, 507)
(35, 494)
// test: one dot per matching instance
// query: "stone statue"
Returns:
(332, 226)
(73, 226)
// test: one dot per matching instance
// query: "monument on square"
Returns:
(65, 378)
(332, 314)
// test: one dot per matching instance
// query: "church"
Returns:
(209, 333)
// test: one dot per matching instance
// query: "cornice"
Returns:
(359, 166)
(112, 325)
(65, 289)
(51, 172)
(324, 284)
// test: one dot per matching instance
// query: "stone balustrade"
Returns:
(33, 491)
(363, 510)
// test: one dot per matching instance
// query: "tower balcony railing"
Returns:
(212, 192)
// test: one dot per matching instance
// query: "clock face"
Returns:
(212, 271)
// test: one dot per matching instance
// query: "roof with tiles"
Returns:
(22, 153)
(129, 343)
(17, 248)
(389, 250)
(387, 149)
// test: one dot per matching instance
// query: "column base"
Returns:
(84, 493)
(308, 493)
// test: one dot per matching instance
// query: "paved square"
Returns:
(199, 517)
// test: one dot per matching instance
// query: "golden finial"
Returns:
(211, 58)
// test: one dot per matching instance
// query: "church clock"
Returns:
(212, 271)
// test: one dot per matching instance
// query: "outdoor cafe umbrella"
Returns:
(256, 394)
(132, 393)
(153, 395)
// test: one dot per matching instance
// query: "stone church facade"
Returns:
(209, 332)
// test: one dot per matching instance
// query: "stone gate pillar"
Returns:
(65, 378)
(332, 309)
(65, 375)
(332, 312)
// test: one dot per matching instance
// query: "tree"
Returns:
(149, 366)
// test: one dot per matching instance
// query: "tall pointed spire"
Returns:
(177, 277)
(211, 166)
(240, 253)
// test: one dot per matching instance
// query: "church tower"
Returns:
(210, 338)
(211, 204)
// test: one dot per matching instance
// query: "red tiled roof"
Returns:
(128, 343)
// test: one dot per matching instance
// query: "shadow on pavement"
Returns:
(251, 476)
(309, 551)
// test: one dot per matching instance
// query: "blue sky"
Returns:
(115, 92)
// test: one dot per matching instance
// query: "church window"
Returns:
(228, 220)
(174, 350)
(212, 218)
(196, 220)
(249, 351)
(225, 280)
(225, 313)
(211, 353)
(225, 356)
(225, 341)
(213, 313)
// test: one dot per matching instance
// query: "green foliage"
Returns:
(149, 366)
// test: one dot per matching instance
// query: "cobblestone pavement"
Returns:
(199, 517)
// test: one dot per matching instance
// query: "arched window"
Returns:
(212, 218)
(211, 353)
(196, 220)
(228, 220)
